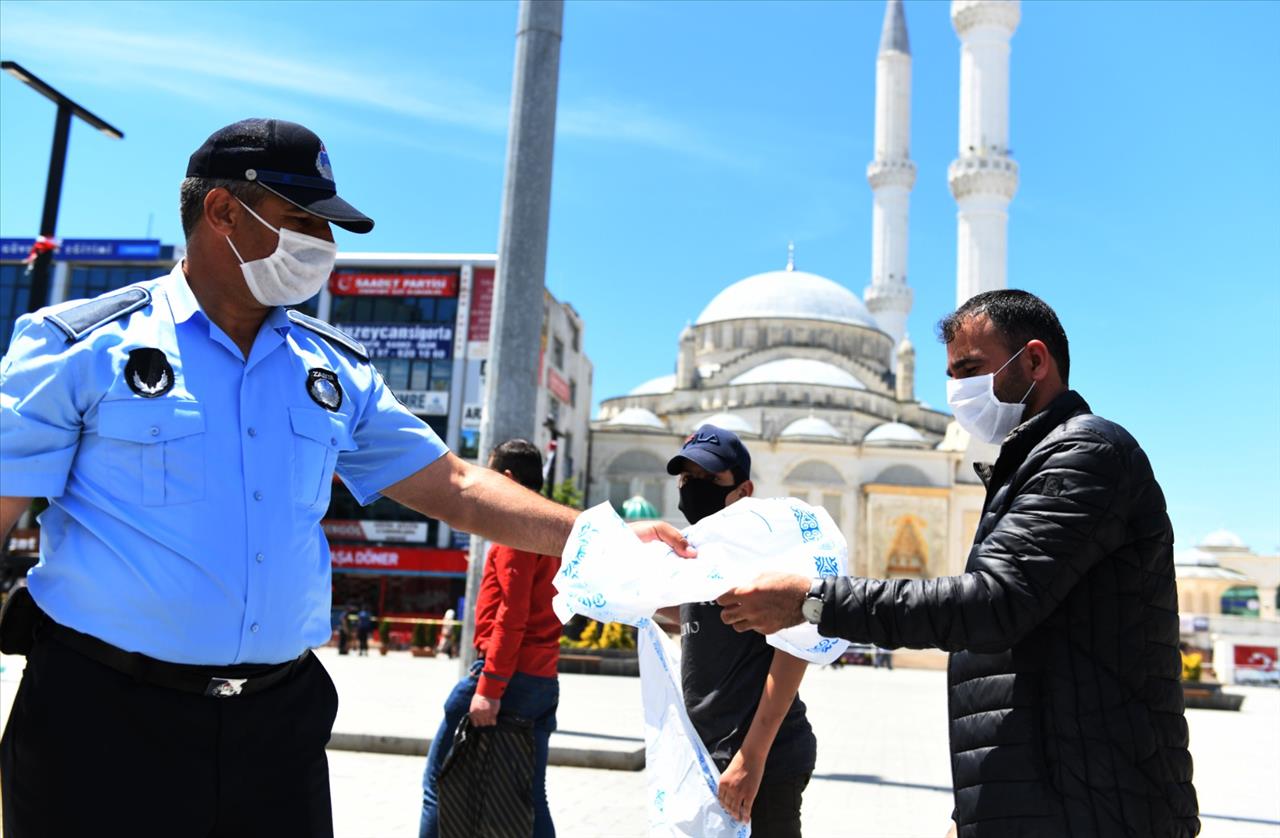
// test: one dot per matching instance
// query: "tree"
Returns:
(568, 494)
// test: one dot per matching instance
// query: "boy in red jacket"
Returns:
(517, 641)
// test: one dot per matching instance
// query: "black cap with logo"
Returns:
(716, 450)
(282, 157)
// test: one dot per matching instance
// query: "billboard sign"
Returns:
(399, 560)
(358, 283)
(88, 249)
(425, 402)
(411, 341)
(402, 531)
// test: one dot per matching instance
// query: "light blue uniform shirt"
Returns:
(186, 526)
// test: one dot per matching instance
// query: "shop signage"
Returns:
(411, 341)
(471, 416)
(558, 386)
(399, 559)
(393, 284)
(425, 402)
(406, 531)
(110, 249)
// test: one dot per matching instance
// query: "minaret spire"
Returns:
(891, 175)
(983, 178)
(791, 256)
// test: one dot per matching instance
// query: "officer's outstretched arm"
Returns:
(11, 510)
(479, 500)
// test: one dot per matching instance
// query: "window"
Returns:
(15, 295)
(573, 392)
(832, 503)
(575, 337)
(557, 352)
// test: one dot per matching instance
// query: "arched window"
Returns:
(903, 475)
(637, 472)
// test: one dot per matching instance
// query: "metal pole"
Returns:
(516, 327)
(49, 218)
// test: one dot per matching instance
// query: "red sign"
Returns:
(399, 284)
(558, 386)
(481, 314)
(1256, 657)
(397, 559)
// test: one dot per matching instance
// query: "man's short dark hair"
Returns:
(523, 459)
(1019, 317)
(191, 197)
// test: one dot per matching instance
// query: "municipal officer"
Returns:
(185, 431)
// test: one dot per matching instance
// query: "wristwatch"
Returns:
(811, 608)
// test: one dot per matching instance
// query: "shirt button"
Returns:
(259, 558)
(155, 431)
(254, 628)
(253, 432)
(257, 495)
(333, 440)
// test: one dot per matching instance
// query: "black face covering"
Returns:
(700, 498)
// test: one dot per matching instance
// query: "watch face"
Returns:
(812, 610)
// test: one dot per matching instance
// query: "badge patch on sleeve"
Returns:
(323, 388)
(148, 373)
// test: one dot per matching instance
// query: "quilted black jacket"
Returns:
(1065, 705)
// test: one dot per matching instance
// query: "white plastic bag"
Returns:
(607, 574)
(680, 777)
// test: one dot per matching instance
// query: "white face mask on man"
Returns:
(977, 410)
(293, 273)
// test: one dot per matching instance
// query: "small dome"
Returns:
(794, 295)
(1222, 539)
(800, 371)
(894, 434)
(655, 386)
(637, 417)
(727, 421)
(636, 508)
(1195, 558)
(811, 427)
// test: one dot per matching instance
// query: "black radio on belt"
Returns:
(18, 618)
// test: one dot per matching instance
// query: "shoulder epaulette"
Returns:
(331, 333)
(79, 320)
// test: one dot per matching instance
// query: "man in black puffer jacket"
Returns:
(1063, 685)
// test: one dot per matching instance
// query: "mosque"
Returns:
(818, 382)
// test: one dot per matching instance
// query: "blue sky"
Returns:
(696, 139)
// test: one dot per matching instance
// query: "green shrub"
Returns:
(384, 632)
(420, 640)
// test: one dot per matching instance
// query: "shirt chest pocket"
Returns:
(155, 450)
(318, 437)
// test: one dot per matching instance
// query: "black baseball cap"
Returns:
(716, 450)
(282, 157)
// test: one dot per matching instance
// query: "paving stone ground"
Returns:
(882, 752)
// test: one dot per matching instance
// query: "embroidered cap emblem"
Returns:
(322, 164)
(225, 687)
(148, 373)
(323, 388)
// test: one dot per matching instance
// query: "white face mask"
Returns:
(974, 403)
(294, 273)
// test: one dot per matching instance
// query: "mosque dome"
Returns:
(800, 371)
(811, 427)
(1223, 540)
(659, 386)
(894, 434)
(636, 508)
(727, 421)
(637, 417)
(787, 294)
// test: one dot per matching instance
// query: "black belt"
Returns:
(214, 681)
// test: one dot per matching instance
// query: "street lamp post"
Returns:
(67, 108)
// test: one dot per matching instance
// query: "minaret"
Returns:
(983, 179)
(686, 361)
(905, 379)
(891, 175)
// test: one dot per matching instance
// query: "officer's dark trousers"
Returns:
(89, 751)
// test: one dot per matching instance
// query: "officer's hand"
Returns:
(770, 603)
(667, 534)
(738, 786)
(484, 711)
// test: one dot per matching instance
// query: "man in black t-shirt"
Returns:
(741, 693)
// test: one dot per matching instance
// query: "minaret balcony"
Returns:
(891, 294)
(976, 174)
(968, 14)
(891, 173)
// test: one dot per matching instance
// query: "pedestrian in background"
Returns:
(1066, 708)
(517, 641)
(364, 626)
(742, 695)
(186, 431)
